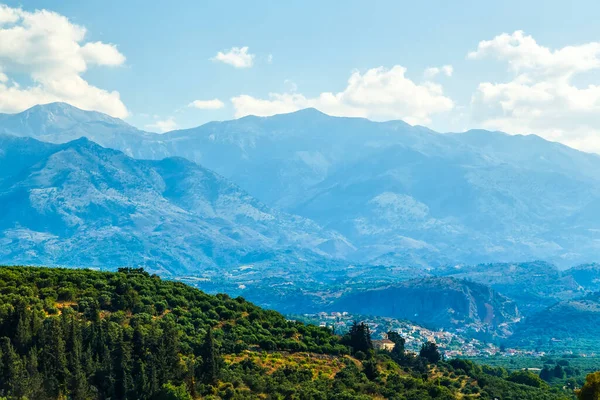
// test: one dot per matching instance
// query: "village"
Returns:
(451, 344)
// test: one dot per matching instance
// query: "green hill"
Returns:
(81, 334)
(564, 326)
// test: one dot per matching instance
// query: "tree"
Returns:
(370, 369)
(591, 389)
(559, 372)
(430, 352)
(53, 358)
(171, 392)
(209, 359)
(526, 378)
(122, 367)
(546, 374)
(359, 338)
(14, 373)
(399, 343)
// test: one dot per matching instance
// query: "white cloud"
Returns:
(163, 126)
(51, 50)
(541, 96)
(378, 94)
(236, 56)
(102, 54)
(213, 104)
(270, 58)
(8, 15)
(432, 72)
(523, 54)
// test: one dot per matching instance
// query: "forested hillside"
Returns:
(81, 334)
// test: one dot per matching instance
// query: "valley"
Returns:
(232, 200)
(363, 235)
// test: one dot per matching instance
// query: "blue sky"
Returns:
(163, 59)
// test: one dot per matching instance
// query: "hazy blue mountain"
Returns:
(62, 123)
(403, 195)
(79, 204)
(570, 325)
(586, 275)
(437, 302)
(532, 285)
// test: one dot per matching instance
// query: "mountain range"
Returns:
(303, 212)
(398, 194)
(79, 204)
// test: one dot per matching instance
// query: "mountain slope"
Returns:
(532, 285)
(82, 334)
(564, 326)
(438, 302)
(79, 204)
(586, 275)
(61, 123)
(404, 195)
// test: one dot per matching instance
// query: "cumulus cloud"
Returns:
(163, 126)
(378, 94)
(8, 15)
(236, 56)
(524, 54)
(53, 52)
(432, 72)
(213, 104)
(541, 97)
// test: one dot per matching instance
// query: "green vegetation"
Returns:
(80, 334)
(560, 371)
(591, 388)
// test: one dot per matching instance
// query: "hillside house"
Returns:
(384, 344)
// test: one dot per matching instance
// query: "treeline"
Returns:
(80, 334)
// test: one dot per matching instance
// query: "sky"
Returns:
(520, 67)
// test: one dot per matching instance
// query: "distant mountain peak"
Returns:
(60, 122)
(310, 111)
(56, 105)
(60, 112)
(59, 109)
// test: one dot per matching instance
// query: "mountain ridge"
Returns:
(403, 195)
(81, 204)
(440, 302)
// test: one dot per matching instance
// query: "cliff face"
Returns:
(438, 302)
(533, 285)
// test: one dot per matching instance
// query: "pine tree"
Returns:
(142, 386)
(122, 367)
(53, 358)
(15, 373)
(78, 385)
(399, 345)
(23, 332)
(35, 383)
(209, 359)
(360, 337)
(430, 352)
